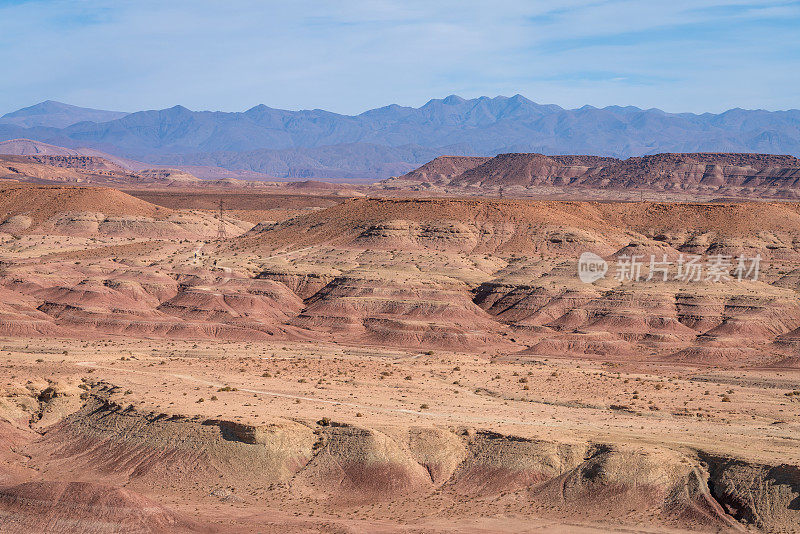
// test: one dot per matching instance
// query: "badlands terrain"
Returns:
(657, 176)
(415, 356)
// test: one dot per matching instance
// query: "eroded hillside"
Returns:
(671, 176)
(349, 362)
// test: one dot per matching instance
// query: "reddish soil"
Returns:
(391, 365)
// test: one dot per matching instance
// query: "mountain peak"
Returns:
(453, 100)
(54, 114)
(260, 108)
(519, 99)
(46, 105)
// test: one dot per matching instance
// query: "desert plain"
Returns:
(398, 358)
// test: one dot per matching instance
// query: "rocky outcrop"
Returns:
(746, 175)
(345, 465)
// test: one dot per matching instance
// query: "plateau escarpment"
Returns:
(705, 174)
(373, 467)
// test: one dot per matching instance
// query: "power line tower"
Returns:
(221, 233)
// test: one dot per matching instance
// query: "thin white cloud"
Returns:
(347, 56)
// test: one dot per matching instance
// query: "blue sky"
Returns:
(351, 55)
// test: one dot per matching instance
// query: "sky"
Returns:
(348, 56)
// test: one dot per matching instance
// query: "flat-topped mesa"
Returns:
(742, 174)
(88, 169)
(757, 161)
(92, 163)
(99, 211)
(701, 171)
(168, 175)
(529, 170)
(584, 160)
(41, 202)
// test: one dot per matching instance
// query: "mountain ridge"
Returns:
(253, 139)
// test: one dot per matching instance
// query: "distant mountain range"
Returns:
(394, 139)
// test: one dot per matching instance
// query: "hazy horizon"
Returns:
(207, 109)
